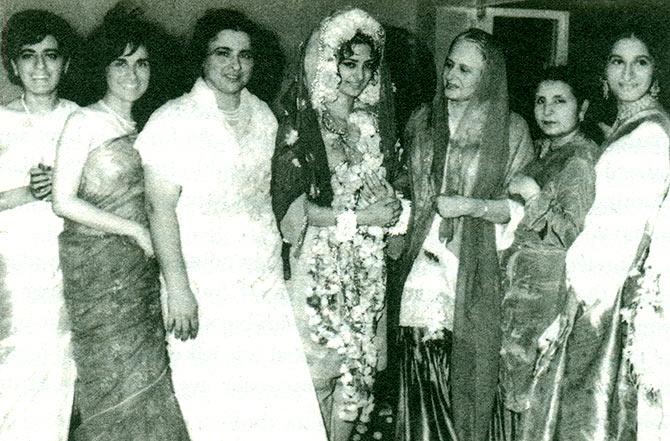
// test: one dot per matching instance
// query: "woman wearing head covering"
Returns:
(618, 268)
(463, 151)
(332, 197)
(558, 189)
(239, 371)
(112, 291)
(36, 368)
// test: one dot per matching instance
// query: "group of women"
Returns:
(530, 276)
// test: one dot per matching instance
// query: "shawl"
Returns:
(477, 335)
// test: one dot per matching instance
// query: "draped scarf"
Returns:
(476, 333)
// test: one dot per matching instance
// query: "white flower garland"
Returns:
(335, 31)
(349, 276)
(644, 319)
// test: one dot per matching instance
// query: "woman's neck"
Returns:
(563, 139)
(40, 103)
(342, 107)
(120, 107)
(627, 109)
(456, 111)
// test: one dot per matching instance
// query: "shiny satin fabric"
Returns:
(425, 409)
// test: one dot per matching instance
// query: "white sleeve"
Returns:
(505, 232)
(159, 146)
(630, 180)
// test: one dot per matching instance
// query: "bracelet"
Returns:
(486, 209)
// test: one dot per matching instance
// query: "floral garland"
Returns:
(335, 31)
(643, 318)
(348, 273)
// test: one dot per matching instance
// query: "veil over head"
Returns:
(314, 84)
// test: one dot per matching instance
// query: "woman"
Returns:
(332, 196)
(463, 151)
(112, 292)
(558, 189)
(603, 264)
(36, 368)
(207, 169)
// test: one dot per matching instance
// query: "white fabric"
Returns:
(245, 376)
(37, 372)
(429, 294)
(630, 177)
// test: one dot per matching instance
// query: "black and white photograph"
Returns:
(334, 220)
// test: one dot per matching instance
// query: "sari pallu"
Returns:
(112, 294)
(598, 396)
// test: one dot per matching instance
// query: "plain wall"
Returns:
(290, 20)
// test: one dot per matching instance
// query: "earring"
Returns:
(606, 89)
(655, 89)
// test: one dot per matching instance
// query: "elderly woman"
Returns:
(463, 151)
(609, 273)
(36, 369)
(332, 196)
(557, 189)
(111, 286)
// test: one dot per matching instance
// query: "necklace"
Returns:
(628, 110)
(125, 123)
(333, 125)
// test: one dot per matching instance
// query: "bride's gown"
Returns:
(245, 376)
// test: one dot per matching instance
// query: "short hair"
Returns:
(347, 48)
(567, 75)
(31, 27)
(215, 21)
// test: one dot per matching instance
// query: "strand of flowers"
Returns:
(348, 274)
(643, 320)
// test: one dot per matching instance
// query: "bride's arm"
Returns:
(182, 308)
(71, 155)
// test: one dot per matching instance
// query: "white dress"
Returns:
(245, 376)
(36, 368)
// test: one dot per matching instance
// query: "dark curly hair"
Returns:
(30, 27)
(347, 48)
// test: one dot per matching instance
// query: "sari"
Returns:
(112, 293)
(537, 311)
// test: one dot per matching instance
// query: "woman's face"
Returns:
(356, 70)
(557, 112)
(128, 75)
(462, 71)
(40, 66)
(229, 62)
(630, 69)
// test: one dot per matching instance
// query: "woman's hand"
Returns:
(40, 181)
(454, 206)
(524, 186)
(182, 314)
(376, 188)
(383, 213)
(143, 239)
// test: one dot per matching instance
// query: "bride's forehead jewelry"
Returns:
(333, 33)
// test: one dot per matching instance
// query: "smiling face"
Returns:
(40, 66)
(462, 71)
(128, 76)
(356, 70)
(630, 69)
(229, 63)
(557, 111)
